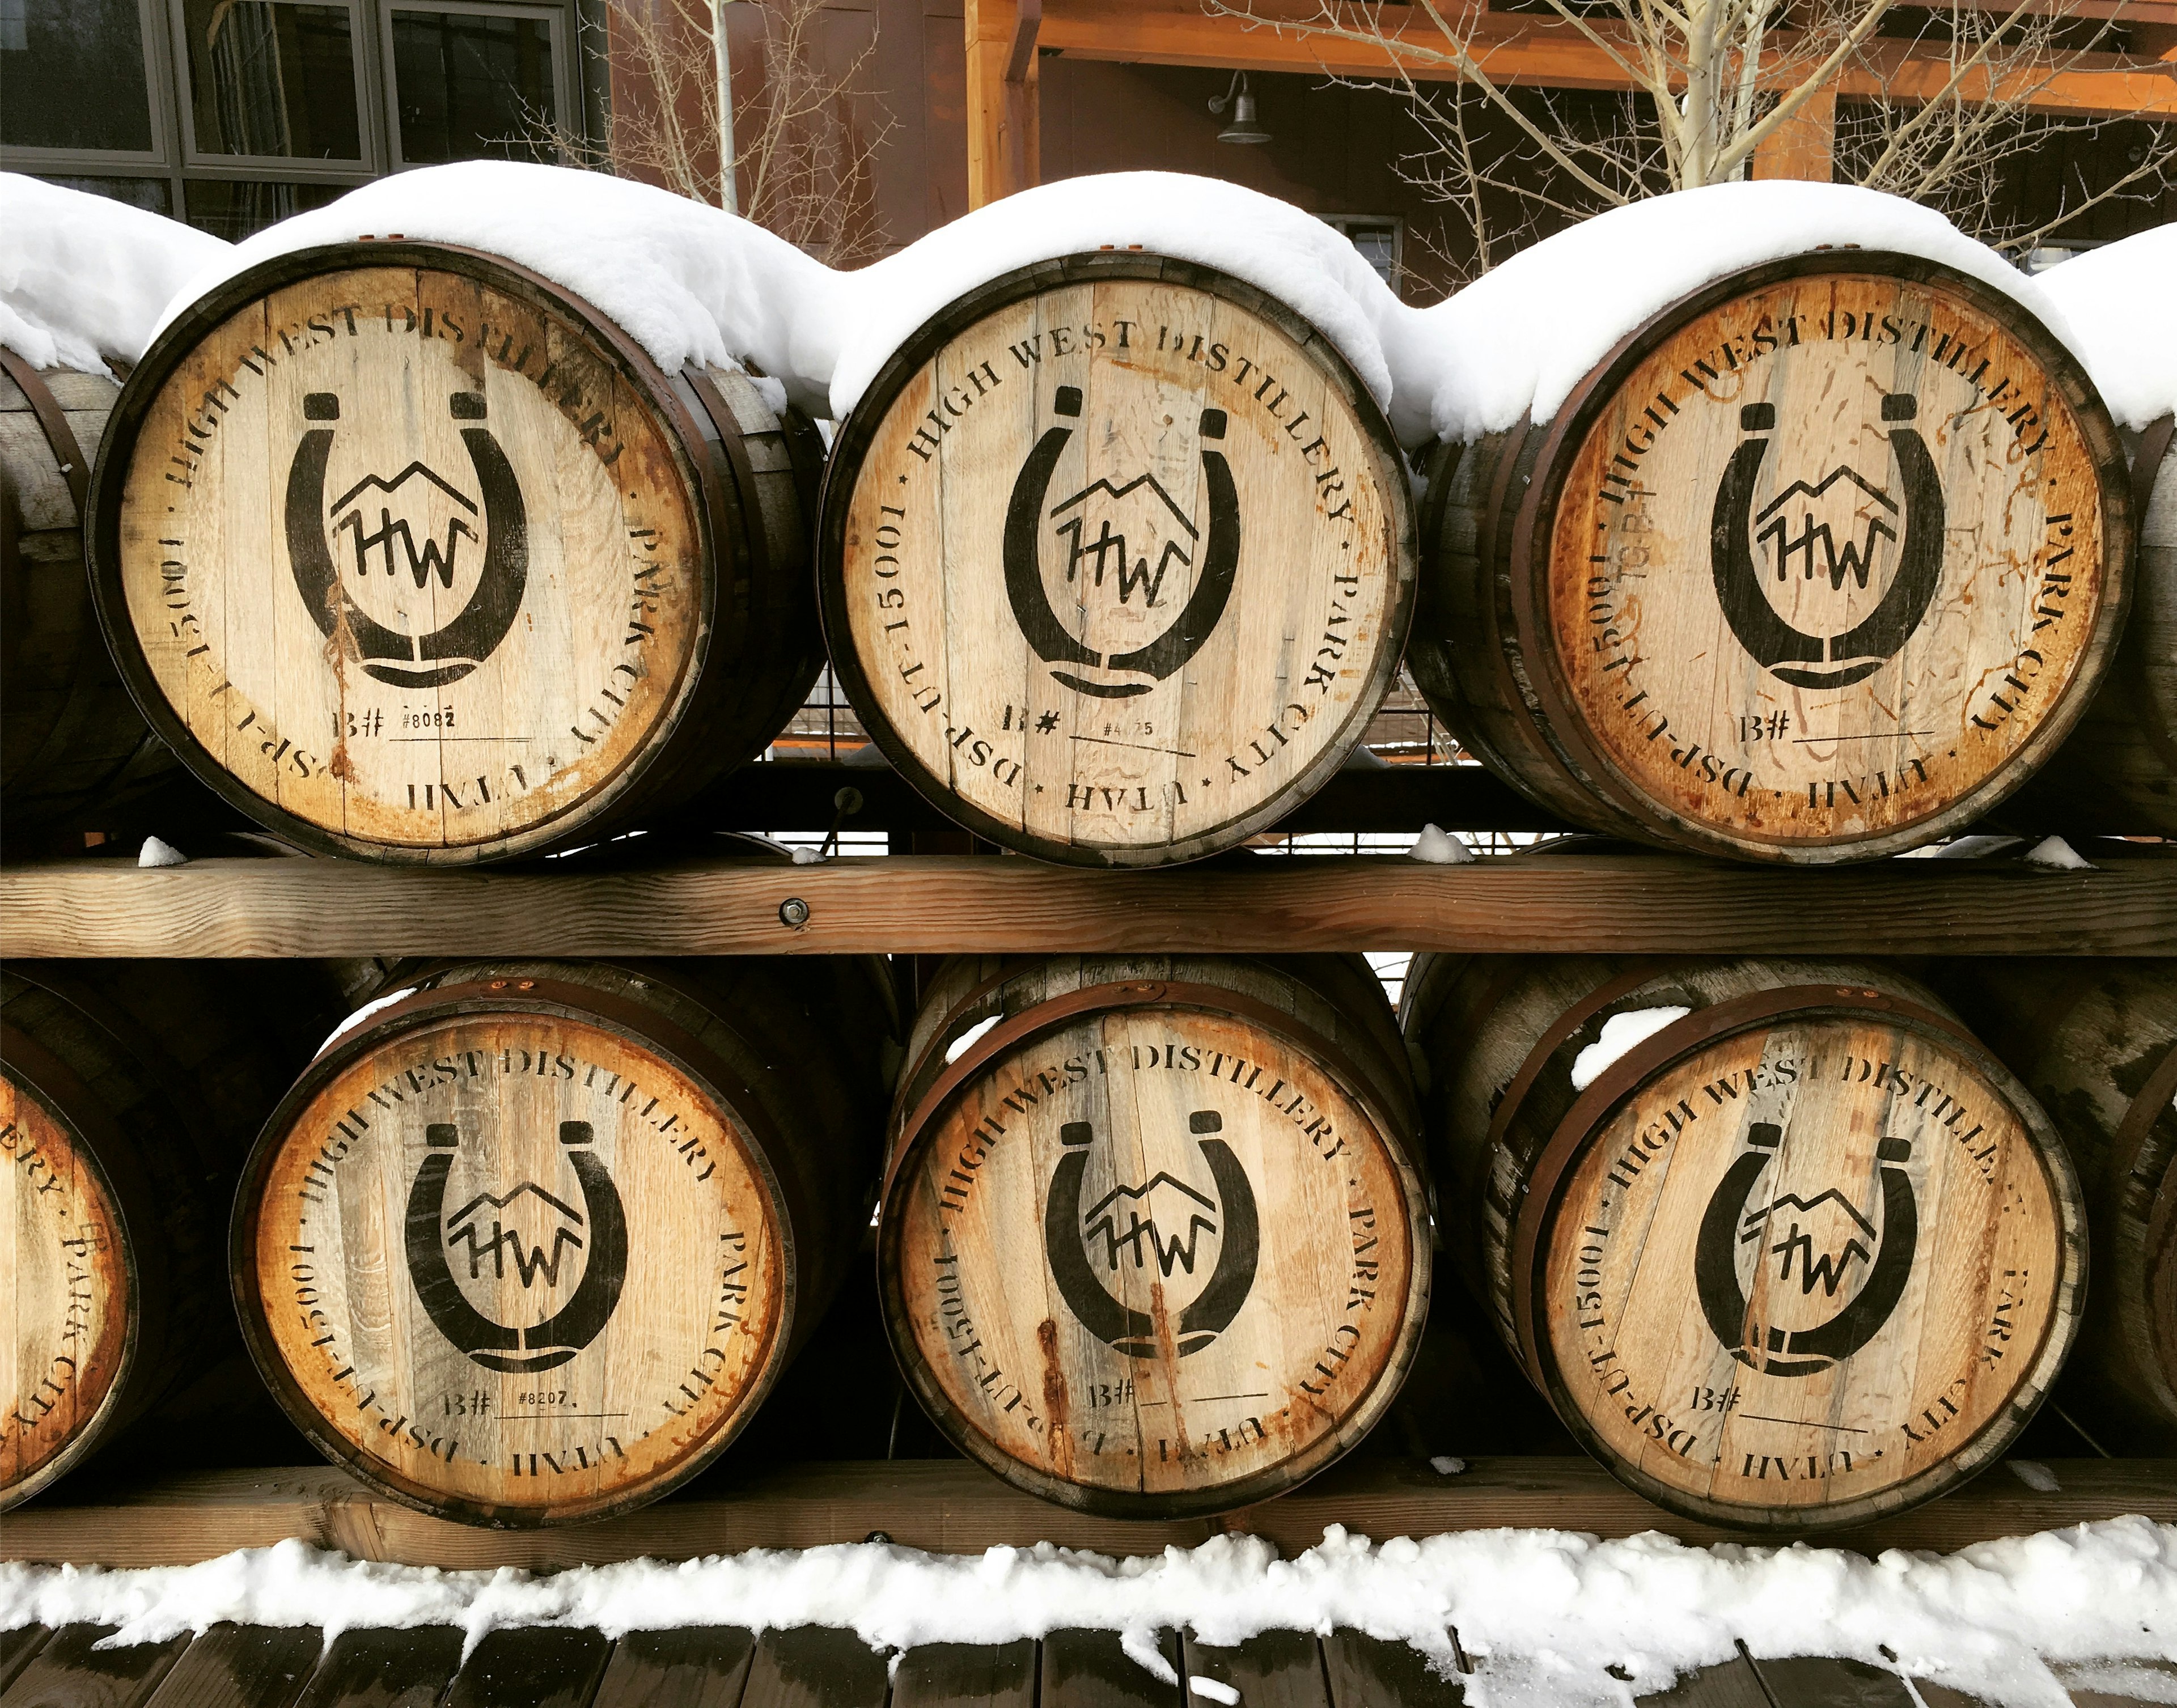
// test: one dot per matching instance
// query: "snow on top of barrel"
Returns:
(2122, 302)
(687, 282)
(82, 278)
(1272, 245)
(1514, 344)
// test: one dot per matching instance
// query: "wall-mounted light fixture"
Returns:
(1243, 128)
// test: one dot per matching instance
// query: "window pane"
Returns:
(71, 75)
(148, 193)
(471, 85)
(268, 77)
(234, 211)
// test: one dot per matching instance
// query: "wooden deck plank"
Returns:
(1528, 903)
(1807, 1682)
(2118, 1684)
(536, 1667)
(814, 1666)
(949, 1506)
(1088, 1669)
(1277, 1669)
(69, 1671)
(954, 1675)
(696, 1667)
(17, 1647)
(385, 1669)
(1734, 1685)
(1365, 1671)
(242, 1667)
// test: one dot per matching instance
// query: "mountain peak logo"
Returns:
(1855, 558)
(432, 557)
(431, 1234)
(1070, 1235)
(1798, 1247)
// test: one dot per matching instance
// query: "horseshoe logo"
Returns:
(1790, 654)
(446, 654)
(1205, 607)
(1066, 1226)
(1725, 1226)
(560, 1336)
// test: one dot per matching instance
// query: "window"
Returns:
(1377, 237)
(234, 113)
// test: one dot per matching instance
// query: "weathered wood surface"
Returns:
(1154, 1240)
(70, 737)
(415, 557)
(590, 1213)
(1512, 905)
(1804, 1255)
(954, 1507)
(1116, 561)
(1817, 565)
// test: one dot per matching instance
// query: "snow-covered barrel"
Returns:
(530, 1241)
(1154, 1241)
(1819, 563)
(2097, 1042)
(70, 737)
(129, 1093)
(1782, 1244)
(1116, 559)
(414, 556)
(2118, 771)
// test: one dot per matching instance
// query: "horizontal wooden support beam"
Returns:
(1514, 905)
(948, 1506)
(1518, 50)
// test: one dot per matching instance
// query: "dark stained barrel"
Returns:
(1790, 1251)
(1819, 564)
(414, 556)
(1154, 1240)
(1116, 561)
(531, 1242)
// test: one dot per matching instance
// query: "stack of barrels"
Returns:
(414, 557)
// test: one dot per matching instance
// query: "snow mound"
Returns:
(1540, 1614)
(82, 278)
(156, 852)
(687, 282)
(1620, 1033)
(1512, 344)
(2053, 853)
(2118, 301)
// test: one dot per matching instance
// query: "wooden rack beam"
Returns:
(1516, 904)
(947, 1506)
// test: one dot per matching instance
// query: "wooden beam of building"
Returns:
(1521, 51)
(1004, 121)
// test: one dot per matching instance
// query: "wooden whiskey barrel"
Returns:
(129, 1091)
(70, 737)
(1806, 1255)
(1819, 563)
(1115, 560)
(530, 1243)
(2117, 771)
(2096, 1042)
(1153, 1241)
(414, 556)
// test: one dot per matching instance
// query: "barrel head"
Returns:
(1116, 561)
(1154, 1262)
(1823, 562)
(513, 1266)
(67, 1328)
(1807, 1272)
(400, 548)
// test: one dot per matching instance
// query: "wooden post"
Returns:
(1804, 146)
(1003, 123)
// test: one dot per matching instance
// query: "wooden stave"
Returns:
(2058, 1024)
(968, 987)
(822, 1204)
(72, 737)
(2117, 773)
(708, 733)
(851, 441)
(1486, 1147)
(119, 1048)
(1535, 741)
